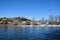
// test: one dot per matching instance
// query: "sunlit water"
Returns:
(29, 33)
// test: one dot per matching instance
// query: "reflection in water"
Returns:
(29, 33)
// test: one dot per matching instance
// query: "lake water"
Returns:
(29, 33)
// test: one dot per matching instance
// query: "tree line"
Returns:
(52, 20)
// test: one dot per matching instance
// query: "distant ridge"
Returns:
(15, 18)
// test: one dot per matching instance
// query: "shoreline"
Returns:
(33, 25)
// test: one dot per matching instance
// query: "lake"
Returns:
(29, 33)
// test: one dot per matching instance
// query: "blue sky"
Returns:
(29, 8)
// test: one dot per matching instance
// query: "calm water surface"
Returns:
(29, 33)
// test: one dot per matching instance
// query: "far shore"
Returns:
(33, 25)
